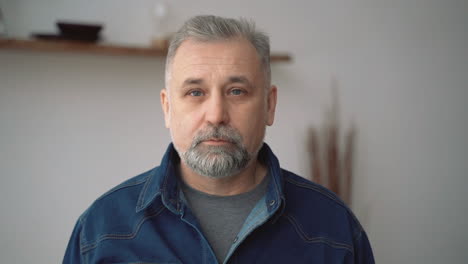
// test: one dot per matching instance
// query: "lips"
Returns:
(217, 140)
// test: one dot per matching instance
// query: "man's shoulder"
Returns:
(303, 189)
(315, 209)
(114, 214)
(118, 201)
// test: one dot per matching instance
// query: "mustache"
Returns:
(225, 133)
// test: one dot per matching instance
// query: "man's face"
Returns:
(217, 89)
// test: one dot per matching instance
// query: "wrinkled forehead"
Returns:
(236, 56)
(213, 66)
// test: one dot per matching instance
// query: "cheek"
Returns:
(252, 122)
(183, 127)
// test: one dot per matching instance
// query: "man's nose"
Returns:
(216, 111)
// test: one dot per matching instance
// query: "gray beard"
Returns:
(217, 161)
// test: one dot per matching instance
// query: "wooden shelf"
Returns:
(105, 49)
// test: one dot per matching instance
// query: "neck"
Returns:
(239, 183)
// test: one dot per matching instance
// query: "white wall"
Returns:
(73, 126)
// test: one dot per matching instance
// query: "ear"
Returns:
(271, 104)
(164, 95)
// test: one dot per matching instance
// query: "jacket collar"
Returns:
(163, 181)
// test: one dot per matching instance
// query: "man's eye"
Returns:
(236, 92)
(195, 93)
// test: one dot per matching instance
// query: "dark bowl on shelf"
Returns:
(83, 32)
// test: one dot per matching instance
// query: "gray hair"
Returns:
(210, 28)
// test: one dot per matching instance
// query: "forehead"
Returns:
(235, 56)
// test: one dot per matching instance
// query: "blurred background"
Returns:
(73, 125)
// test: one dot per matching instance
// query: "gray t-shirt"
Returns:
(221, 217)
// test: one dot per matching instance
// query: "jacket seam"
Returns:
(90, 246)
(122, 186)
(143, 192)
(324, 240)
(82, 219)
(314, 188)
(330, 196)
(275, 179)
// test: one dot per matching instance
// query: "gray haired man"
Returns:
(219, 194)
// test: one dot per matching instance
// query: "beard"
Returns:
(217, 161)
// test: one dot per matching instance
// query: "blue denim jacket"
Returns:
(146, 220)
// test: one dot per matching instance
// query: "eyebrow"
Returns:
(239, 79)
(193, 81)
(231, 79)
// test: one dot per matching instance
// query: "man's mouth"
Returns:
(216, 141)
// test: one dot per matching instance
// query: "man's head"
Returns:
(218, 99)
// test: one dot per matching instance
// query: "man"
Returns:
(219, 195)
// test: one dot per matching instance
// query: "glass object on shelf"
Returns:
(160, 32)
(2, 24)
